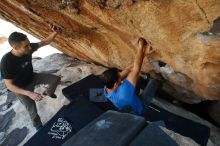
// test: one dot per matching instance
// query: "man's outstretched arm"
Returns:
(133, 75)
(51, 37)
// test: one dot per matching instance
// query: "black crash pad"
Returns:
(83, 89)
(110, 129)
(152, 135)
(65, 123)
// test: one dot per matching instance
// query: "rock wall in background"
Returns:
(186, 34)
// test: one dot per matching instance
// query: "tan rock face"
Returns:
(186, 34)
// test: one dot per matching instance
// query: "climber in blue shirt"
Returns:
(120, 87)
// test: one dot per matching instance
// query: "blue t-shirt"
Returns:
(125, 95)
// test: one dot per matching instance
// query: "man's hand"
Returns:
(51, 37)
(35, 96)
(142, 43)
(149, 49)
(54, 28)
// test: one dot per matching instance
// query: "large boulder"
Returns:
(52, 63)
(185, 33)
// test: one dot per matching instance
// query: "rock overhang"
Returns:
(185, 33)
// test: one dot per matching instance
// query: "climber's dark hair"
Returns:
(110, 77)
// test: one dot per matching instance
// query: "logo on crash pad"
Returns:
(60, 129)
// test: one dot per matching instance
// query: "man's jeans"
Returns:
(39, 78)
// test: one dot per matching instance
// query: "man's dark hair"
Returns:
(16, 37)
(110, 77)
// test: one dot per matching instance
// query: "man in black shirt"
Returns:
(18, 75)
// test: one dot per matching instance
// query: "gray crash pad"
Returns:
(152, 135)
(6, 120)
(15, 137)
(110, 129)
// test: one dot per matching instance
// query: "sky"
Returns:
(6, 28)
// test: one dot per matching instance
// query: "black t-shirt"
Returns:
(19, 69)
